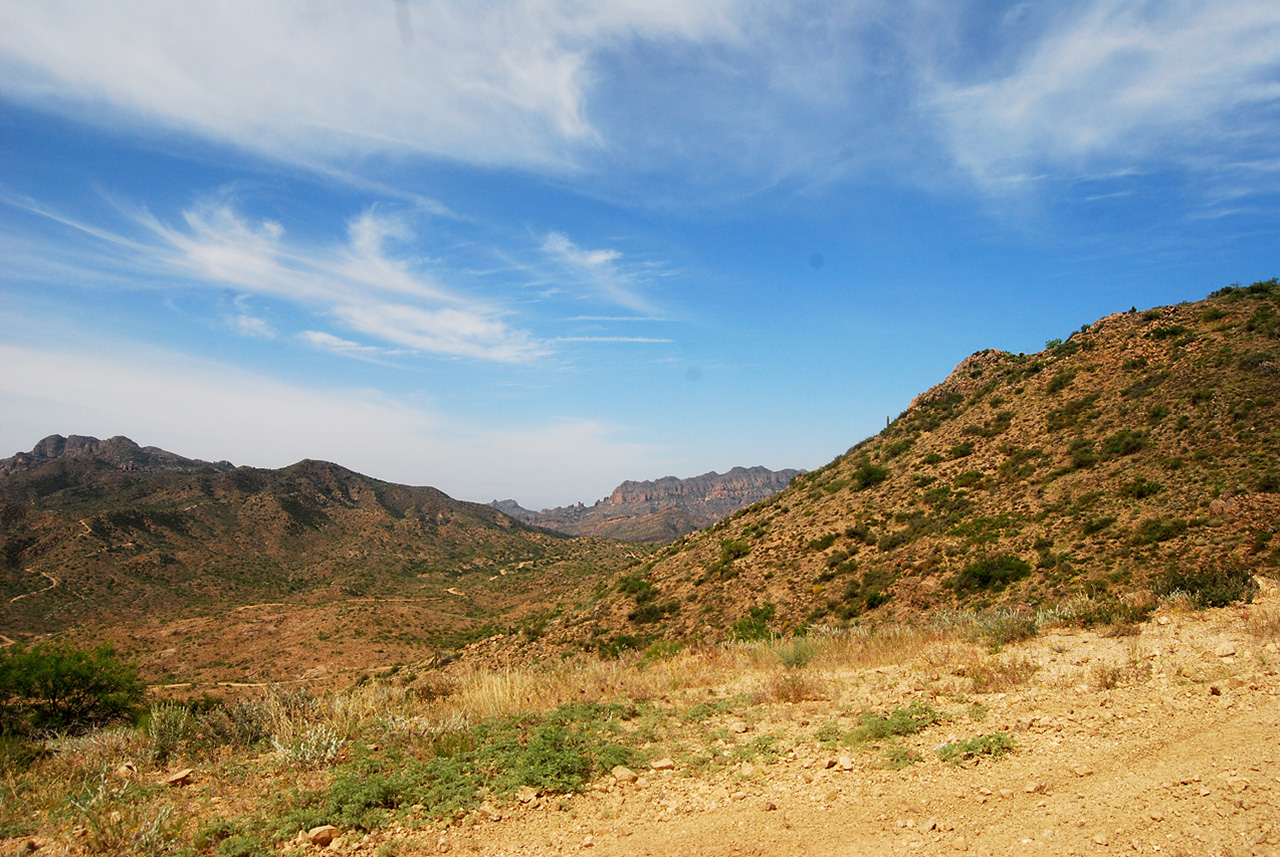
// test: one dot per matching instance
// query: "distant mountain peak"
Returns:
(118, 451)
(659, 510)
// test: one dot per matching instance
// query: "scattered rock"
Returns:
(181, 778)
(1100, 840)
(770, 806)
(1082, 770)
(323, 835)
(738, 727)
(960, 844)
(588, 841)
(1237, 784)
(846, 763)
(663, 765)
(1034, 788)
(127, 771)
(526, 794)
(623, 774)
(490, 811)
(1226, 650)
(1163, 620)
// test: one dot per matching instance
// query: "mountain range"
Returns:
(659, 510)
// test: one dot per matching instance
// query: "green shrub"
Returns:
(1211, 585)
(55, 687)
(755, 625)
(1124, 442)
(994, 745)
(821, 543)
(1155, 530)
(873, 726)
(1140, 489)
(1082, 453)
(868, 474)
(961, 450)
(1061, 381)
(991, 573)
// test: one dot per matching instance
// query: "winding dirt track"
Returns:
(53, 584)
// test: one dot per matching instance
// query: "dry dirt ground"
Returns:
(1180, 756)
(1162, 741)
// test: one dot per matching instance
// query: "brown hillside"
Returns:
(105, 534)
(1142, 453)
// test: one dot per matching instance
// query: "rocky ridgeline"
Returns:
(119, 452)
(660, 510)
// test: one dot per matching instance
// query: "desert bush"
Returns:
(1213, 584)
(991, 573)
(873, 726)
(1140, 489)
(868, 474)
(1154, 530)
(56, 687)
(993, 745)
(795, 652)
(315, 745)
(755, 625)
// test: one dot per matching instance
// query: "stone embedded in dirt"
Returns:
(323, 835)
(830, 763)
(1100, 840)
(623, 774)
(1225, 650)
(490, 811)
(1034, 788)
(127, 771)
(770, 806)
(1237, 784)
(846, 763)
(526, 794)
(663, 765)
(960, 844)
(738, 796)
(1163, 620)
(588, 841)
(181, 778)
(737, 727)
(1082, 770)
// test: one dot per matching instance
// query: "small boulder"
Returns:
(1226, 650)
(181, 778)
(663, 765)
(623, 774)
(323, 835)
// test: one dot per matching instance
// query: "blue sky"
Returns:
(530, 249)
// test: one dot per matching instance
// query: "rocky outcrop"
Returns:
(118, 452)
(659, 510)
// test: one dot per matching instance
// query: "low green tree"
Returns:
(57, 687)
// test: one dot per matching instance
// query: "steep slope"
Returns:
(659, 510)
(103, 532)
(1141, 453)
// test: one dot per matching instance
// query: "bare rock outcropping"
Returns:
(659, 510)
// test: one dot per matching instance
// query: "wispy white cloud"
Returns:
(212, 411)
(359, 284)
(1122, 82)
(253, 327)
(496, 83)
(637, 339)
(598, 270)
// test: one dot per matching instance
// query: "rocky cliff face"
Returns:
(660, 510)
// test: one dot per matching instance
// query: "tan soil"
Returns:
(1179, 756)
(1183, 760)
